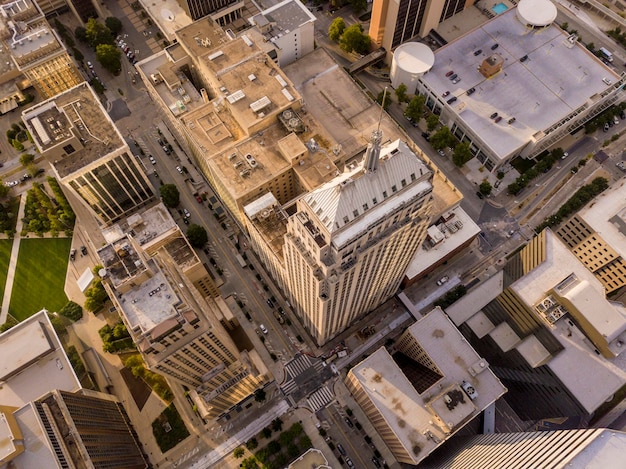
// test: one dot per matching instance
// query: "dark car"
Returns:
(622, 115)
(349, 422)
(453, 77)
(451, 100)
(480, 195)
(270, 304)
(83, 250)
(341, 450)
(426, 136)
(450, 73)
(478, 52)
(495, 46)
(376, 461)
(471, 91)
(524, 59)
(498, 119)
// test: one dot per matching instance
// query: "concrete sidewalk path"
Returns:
(8, 287)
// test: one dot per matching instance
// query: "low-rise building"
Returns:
(46, 418)
(425, 389)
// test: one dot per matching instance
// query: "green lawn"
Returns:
(40, 276)
(5, 256)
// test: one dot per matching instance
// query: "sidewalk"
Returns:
(8, 287)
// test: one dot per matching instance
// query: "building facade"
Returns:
(88, 154)
(425, 389)
(350, 241)
(197, 9)
(548, 330)
(36, 50)
(397, 21)
(164, 296)
(596, 236)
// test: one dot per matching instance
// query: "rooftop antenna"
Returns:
(372, 154)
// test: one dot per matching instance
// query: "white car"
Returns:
(565, 155)
(186, 212)
(443, 280)
(263, 328)
(179, 169)
(90, 65)
(152, 160)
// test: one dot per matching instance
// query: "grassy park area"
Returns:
(39, 276)
(5, 256)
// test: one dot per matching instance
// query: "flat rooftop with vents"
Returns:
(425, 389)
(545, 77)
(72, 129)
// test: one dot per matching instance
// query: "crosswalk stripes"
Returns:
(142, 145)
(298, 365)
(289, 387)
(320, 398)
(319, 366)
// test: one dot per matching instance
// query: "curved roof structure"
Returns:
(536, 13)
(414, 57)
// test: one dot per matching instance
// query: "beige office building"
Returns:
(423, 391)
(597, 236)
(163, 294)
(88, 154)
(35, 49)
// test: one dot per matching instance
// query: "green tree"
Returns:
(78, 55)
(239, 452)
(442, 138)
(95, 295)
(109, 57)
(462, 154)
(336, 29)
(4, 190)
(259, 395)
(379, 100)
(197, 235)
(72, 311)
(17, 145)
(252, 444)
(432, 121)
(415, 108)
(26, 159)
(353, 39)
(97, 33)
(485, 188)
(170, 195)
(114, 25)
(81, 34)
(401, 93)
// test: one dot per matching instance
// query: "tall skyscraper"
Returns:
(397, 21)
(560, 449)
(88, 153)
(350, 241)
(35, 49)
(162, 292)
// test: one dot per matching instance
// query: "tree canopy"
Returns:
(170, 195)
(81, 34)
(485, 188)
(114, 25)
(401, 93)
(336, 29)
(197, 235)
(97, 33)
(95, 295)
(432, 121)
(358, 5)
(462, 154)
(442, 138)
(415, 108)
(26, 159)
(109, 57)
(379, 100)
(353, 39)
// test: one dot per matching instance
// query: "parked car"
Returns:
(349, 422)
(73, 254)
(26, 176)
(269, 303)
(441, 152)
(456, 80)
(186, 212)
(480, 195)
(478, 52)
(151, 158)
(263, 328)
(83, 250)
(606, 127)
(451, 100)
(349, 462)
(453, 77)
(89, 64)
(445, 93)
(524, 59)
(341, 450)
(471, 91)
(376, 462)
(179, 169)
(443, 280)
(449, 74)
(494, 115)
(199, 199)
(495, 46)
(166, 150)
(565, 155)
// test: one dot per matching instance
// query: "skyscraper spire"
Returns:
(372, 154)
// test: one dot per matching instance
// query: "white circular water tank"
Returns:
(536, 13)
(410, 61)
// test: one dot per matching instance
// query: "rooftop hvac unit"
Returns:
(245, 173)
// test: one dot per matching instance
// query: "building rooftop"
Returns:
(562, 279)
(33, 362)
(430, 391)
(202, 36)
(348, 117)
(73, 123)
(282, 18)
(445, 235)
(606, 215)
(168, 15)
(557, 78)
